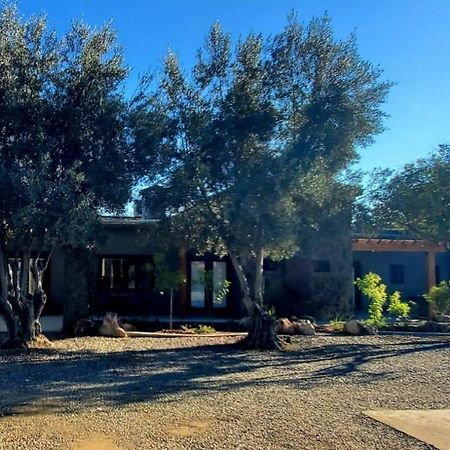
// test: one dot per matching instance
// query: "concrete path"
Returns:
(429, 426)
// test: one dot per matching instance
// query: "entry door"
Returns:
(207, 284)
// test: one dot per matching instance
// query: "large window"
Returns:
(132, 273)
(208, 284)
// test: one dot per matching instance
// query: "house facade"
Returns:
(121, 275)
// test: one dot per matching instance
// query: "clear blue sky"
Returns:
(409, 39)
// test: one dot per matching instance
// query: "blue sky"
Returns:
(409, 39)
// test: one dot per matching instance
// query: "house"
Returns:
(119, 275)
(407, 265)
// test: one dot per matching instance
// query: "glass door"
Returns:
(198, 284)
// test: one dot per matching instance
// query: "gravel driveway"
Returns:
(200, 393)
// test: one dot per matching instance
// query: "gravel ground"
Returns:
(195, 393)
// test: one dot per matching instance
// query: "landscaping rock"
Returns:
(353, 327)
(110, 327)
(304, 327)
(283, 326)
(358, 328)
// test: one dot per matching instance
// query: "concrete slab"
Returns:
(429, 426)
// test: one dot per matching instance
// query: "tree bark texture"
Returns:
(20, 308)
(261, 334)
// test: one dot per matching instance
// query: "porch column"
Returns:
(431, 273)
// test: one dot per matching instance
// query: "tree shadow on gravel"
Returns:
(67, 381)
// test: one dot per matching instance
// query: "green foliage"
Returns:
(199, 329)
(397, 307)
(414, 199)
(338, 320)
(371, 286)
(439, 298)
(222, 291)
(204, 329)
(63, 131)
(252, 143)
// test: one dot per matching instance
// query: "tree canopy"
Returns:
(63, 144)
(414, 199)
(252, 141)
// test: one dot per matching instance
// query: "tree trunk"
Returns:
(261, 334)
(17, 305)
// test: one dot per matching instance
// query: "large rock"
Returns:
(110, 327)
(358, 328)
(283, 326)
(304, 327)
(443, 318)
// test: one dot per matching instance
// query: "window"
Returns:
(321, 266)
(208, 284)
(438, 274)
(132, 273)
(197, 284)
(397, 273)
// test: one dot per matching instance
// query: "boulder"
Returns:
(353, 327)
(304, 327)
(443, 318)
(358, 328)
(283, 326)
(110, 327)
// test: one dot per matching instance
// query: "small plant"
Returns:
(270, 311)
(397, 307)
(338, 320)
(439, 298)
(199, 329)
(371, 286)
(204, 329)
(187, 329)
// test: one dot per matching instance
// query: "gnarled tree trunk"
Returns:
(21, 309)
(261, 334)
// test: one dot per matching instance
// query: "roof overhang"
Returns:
(396, 245)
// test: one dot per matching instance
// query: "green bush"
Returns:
(397, 307)
(371, 286)
(439, 298)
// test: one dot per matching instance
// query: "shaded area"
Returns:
(64, 381)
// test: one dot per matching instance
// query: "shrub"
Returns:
(371, 286)
(439, 298)
(397, 307)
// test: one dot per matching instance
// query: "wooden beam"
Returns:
(388, 245)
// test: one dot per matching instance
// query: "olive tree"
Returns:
(252, 141)
(63, 145)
